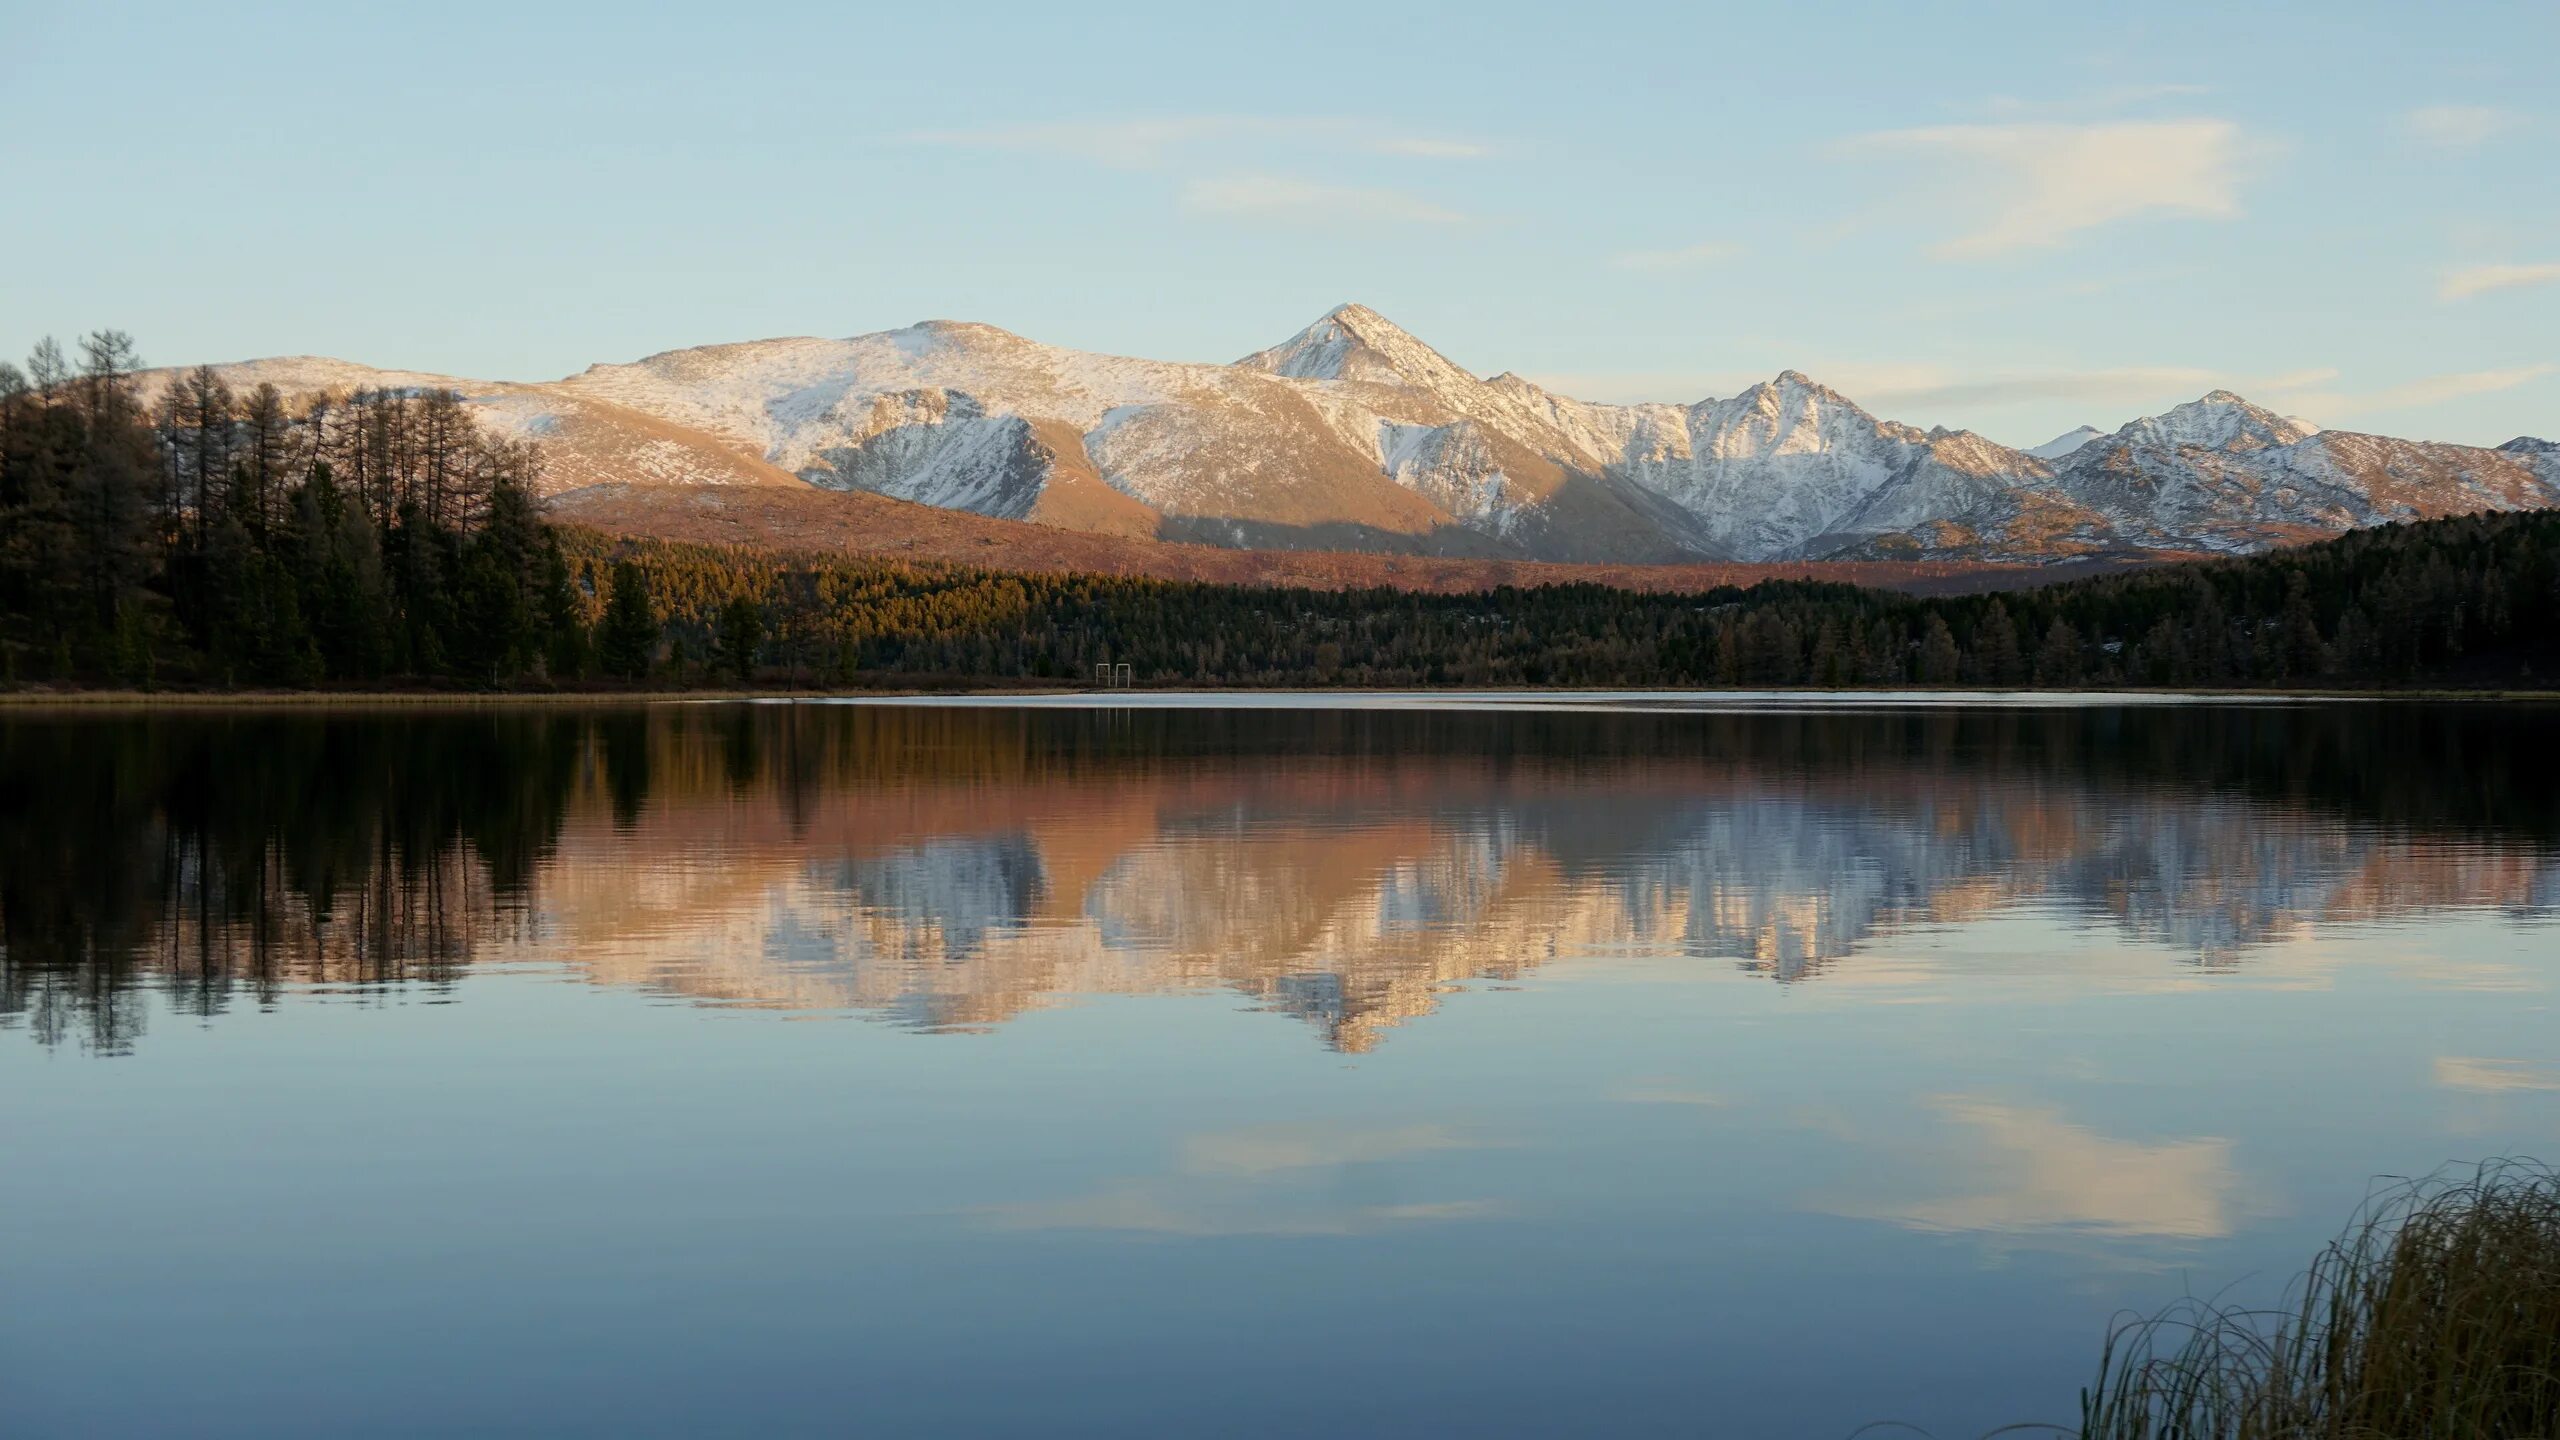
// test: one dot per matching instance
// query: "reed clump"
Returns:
(2435, 1316)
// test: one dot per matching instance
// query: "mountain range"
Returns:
(1353, 435)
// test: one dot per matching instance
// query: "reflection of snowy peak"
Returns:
(1354, 919)
(1354, 434)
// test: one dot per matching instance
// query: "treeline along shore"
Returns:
(181, 536)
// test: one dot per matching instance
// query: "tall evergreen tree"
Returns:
(741, 636)
(627, 642)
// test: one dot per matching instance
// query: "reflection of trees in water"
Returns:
(225, 857)
(1340, 865)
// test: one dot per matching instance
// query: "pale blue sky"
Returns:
(2014, 218)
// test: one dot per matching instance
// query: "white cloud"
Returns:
(2095, 102)
(1683, 258)
(2031, 185)
(2109, 385)
(2331, 406)
(2004, 1168)
(1280, 197)
(1670, 1092)
(2436, 389)
(2460, 127)
(1144, 144)
(2463, 282)
(2486, 1076)
(2293, 380)
(1269, 1149)
(1265, 1180)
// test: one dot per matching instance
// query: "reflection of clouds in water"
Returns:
(1268, 1149)
(2017, 1170)
(2483, 1075)
(1277, 1179)
(1668, 1092)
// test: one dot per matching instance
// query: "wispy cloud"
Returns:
(2010, 1169)
(1266, 1180)
(2035, 185)
(2460, 127)
(2094, 102)
(2465, 281)
(2105, 385)
(1147, 143)
(2332, 406)
(2487, 1076)
(1281, 197)
(1270, 1149)
(1686, 257)
(2436, 389)
(1670, 1092)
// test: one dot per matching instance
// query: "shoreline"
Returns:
(30, 700)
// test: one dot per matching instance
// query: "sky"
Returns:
(2010, 218)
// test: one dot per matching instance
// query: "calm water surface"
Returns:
(987, 1070)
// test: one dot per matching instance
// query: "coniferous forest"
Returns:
(197, 538)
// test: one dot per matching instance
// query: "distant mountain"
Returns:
(2064, 444)
(1355, 435)
(2222, 474)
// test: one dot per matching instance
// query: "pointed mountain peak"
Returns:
(1789, 385)
(2219, 420)
(1354, 342)
(1357, 316)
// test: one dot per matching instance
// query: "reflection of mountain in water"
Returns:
(951, 869)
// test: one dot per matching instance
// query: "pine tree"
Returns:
(1937, 652)
(741, 636)
(627, 641)
(1995, 647)
(2058, 658)
(2303, 650)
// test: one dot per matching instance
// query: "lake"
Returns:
(1530, 1066)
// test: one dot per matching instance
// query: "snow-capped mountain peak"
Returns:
(2219, 420)
(2064, 444)
(1353, 342)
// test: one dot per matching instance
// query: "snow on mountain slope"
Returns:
(2543, 456)
(1381, 450)
(2219, 473)
(1791, 467)
(1355, 435)
(2061, 445)
(585, 441)
(2219, 421)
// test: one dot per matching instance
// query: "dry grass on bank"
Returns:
(2436, 1316)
